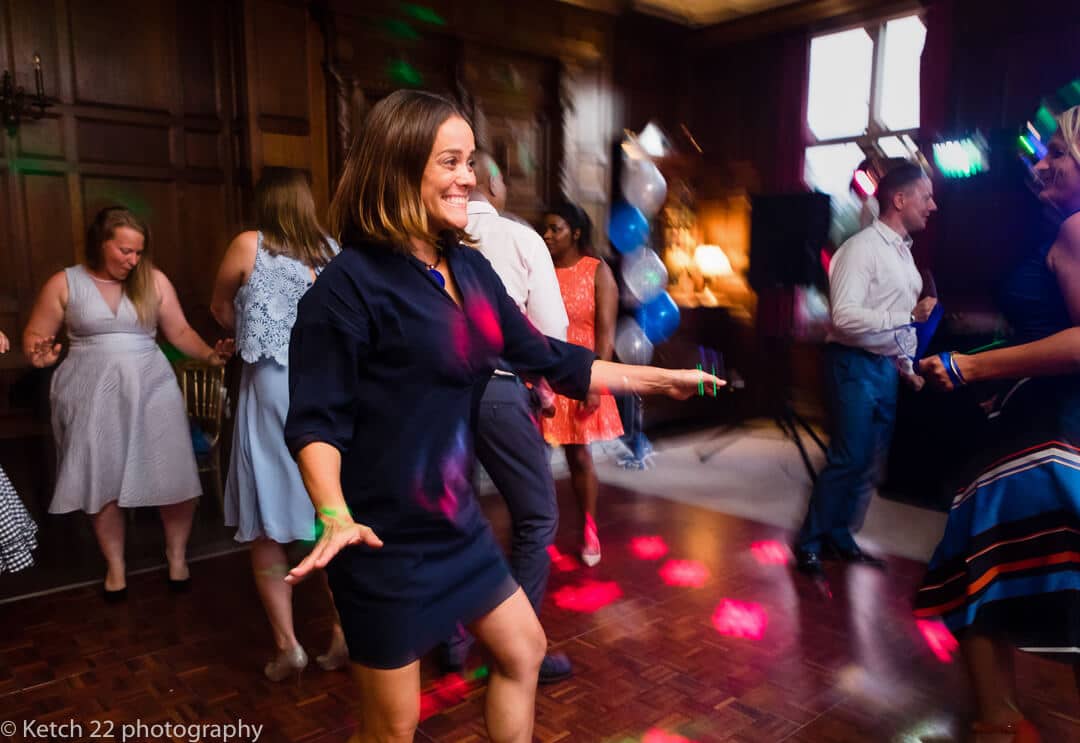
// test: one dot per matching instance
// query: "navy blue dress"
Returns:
(387, 368)
(1009, 561)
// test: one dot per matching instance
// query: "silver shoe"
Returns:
(336, 656)
(287, 662)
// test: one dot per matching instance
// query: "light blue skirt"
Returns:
(264, 494)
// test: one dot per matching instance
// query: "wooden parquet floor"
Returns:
(715, 640)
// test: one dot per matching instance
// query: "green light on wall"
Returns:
(423, 13)
(403, 73)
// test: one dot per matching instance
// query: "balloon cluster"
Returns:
(657, 316)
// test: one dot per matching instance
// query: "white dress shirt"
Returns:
(873, 289)
(521, 259)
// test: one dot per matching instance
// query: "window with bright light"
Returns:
(863, 102)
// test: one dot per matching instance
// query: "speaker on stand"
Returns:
(788, 233)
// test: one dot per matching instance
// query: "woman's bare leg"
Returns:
(389, 703)
(513, 636)
(176, 519)
(109, 530)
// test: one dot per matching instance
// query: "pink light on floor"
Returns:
(771, 552)
(685, 573)
(656, 735)
(741, 619)
(447, 692)
(938, 638)
(450, 691)
(648, 548)
(563, 563)
(587, 597)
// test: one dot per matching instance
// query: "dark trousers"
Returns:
(862, 388)
(509, 445)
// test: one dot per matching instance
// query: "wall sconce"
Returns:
(14, 104)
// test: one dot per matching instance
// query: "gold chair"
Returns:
(204, 391)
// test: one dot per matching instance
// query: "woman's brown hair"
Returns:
(139, 284)
(284, 212)
(379, 191)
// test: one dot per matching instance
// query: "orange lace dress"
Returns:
(569, 425)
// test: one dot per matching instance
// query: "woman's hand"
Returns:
(590, 406)
(339, 531)
(223, 351)
(933, 371)
(44, 352)
(547, 398)
(5, 344)
(683, 383)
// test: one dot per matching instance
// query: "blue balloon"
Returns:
(659, 318)
(628, 228)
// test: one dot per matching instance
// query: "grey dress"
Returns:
(118, 418)
(264, 494)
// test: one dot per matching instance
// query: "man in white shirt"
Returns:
(508, 440)
(874, 290)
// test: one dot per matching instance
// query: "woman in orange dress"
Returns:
(592, 303)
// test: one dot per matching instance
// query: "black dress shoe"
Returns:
(114, 597)
(180, 586)
(857, 556)
(808, 562)
(555, 668)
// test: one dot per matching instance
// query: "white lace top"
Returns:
(266, 305)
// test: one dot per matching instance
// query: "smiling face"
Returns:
(1059, 176)
(448, 176)
(121, 253)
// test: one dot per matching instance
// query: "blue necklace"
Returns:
(433, 269)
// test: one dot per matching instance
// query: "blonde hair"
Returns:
(379, 191)
(139, 284)
(284, 212)
(1069, 126)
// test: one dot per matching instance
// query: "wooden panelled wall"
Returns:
(172, 107)
(536, 77)
(143, 112)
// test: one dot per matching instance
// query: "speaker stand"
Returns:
(790, 422)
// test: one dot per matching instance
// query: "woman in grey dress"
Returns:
(121, 428)
(264, 273)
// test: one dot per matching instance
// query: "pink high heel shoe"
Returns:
(590, 551)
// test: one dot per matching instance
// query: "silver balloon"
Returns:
(642, 184)
(631, 344)
(645, 275)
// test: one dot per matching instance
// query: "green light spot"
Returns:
(1045, 123)
(403, 73)
(423, 13)
(1070, 94)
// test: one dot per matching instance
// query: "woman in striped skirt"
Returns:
(1007, 572)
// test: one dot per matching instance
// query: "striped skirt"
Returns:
(1009, 561)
